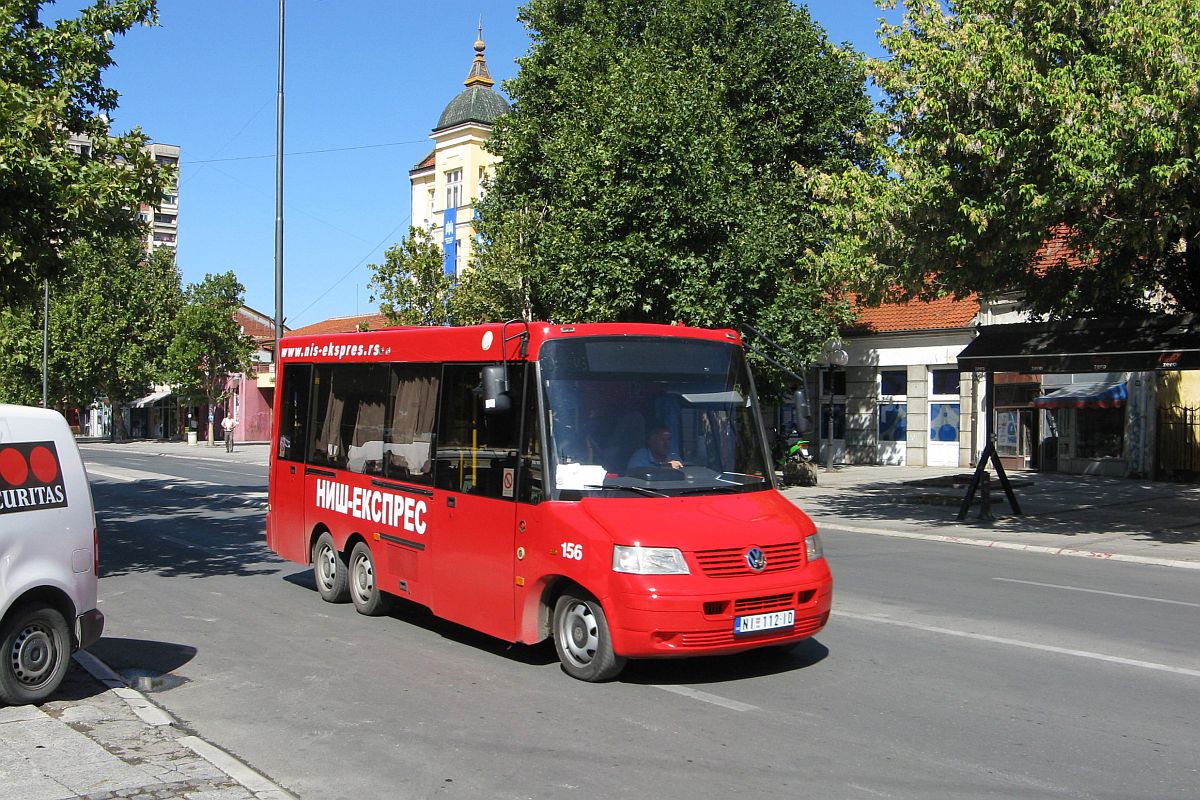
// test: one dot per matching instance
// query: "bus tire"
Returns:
(364, 589)
(583, 641)
(330, 571)
(35, 644)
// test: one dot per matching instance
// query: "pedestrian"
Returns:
(228, 424)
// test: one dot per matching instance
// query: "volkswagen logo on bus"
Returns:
(756, 559)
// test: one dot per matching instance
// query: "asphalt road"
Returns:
(945, 672)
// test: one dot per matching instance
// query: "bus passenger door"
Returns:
(286, 533)
(472, 552)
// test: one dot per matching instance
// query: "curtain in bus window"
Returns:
(412, 414)
(364, 418)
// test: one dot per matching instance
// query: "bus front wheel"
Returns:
(330, 571)
(364, 589)
(583, 641)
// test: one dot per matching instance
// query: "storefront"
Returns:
(1096, 409)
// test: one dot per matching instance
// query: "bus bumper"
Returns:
(662, 625)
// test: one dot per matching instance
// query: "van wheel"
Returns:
(330, 571)
(36, 647)
(582, 640)
(364, 590)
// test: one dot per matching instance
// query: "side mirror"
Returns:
(495, 389)
(800, 413)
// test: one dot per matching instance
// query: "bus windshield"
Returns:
(648, 416)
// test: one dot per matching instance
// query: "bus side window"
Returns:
(407, 446)
(474, 449)
(320, 437)
(293, 417)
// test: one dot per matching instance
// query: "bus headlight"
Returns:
(812, 548)
(640, 560)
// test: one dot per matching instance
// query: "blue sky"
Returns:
(363, 89)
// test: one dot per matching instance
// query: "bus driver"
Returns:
(657, 452)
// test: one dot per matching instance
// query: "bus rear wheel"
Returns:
(364, 589)
(330, 571)
(36, 652)
(583, 641)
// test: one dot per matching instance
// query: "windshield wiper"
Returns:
(642, 490)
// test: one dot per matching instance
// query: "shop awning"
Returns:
(1085, 395)
(150, 399)
(1119, 344)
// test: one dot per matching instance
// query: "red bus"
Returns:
(606, 485)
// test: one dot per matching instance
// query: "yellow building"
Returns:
(449, 180)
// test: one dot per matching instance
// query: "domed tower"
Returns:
(448, 180)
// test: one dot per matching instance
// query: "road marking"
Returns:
(1026, 548)
(705, 697)
(1046, 648)
(1098, 591)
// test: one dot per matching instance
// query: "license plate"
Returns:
(757, 623)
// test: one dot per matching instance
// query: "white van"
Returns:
(49, 560)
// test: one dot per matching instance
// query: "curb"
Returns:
(1028, 548)
(153, 715)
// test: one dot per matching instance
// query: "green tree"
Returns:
(21, 366)
(51, 87)
(111, 313)
(1009, 120)
(410, 284)
(657, 165)
(111, 322)
(209, 344)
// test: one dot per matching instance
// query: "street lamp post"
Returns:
(834, 355)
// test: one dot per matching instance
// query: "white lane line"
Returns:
(1025, 548)
(1046, 648)
(705, 697)
(1098, 591)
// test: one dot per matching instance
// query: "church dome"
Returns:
(479, 102)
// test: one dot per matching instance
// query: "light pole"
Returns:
(279, 193)
(834, 355)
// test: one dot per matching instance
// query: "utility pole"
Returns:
(279, 193)
(45, 343)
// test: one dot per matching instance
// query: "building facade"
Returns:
(162, 220)
(448, 181)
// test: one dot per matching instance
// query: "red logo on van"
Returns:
(30, 477)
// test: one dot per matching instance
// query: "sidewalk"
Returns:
(1076, 515)
(99, 740)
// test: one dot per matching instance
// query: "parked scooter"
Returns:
(796, 461)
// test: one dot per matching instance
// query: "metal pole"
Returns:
(829, 419)
(45, 343)
(279, 193)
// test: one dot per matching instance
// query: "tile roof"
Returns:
(917, 315)
(343, 325)
(257, 325)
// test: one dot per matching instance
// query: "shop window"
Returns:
(945, 381)
(893, 422)
(1100, 432)
(893, 382)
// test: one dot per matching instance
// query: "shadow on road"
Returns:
(1065, 505)
(145, 528)
(703, 669)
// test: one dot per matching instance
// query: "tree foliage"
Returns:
(209, 345)
(1008, 120)
(51, 87)
(111, 313)
(111, 321)
(411, 285)
(657, 166)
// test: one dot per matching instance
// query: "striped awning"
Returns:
(1085, 395)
